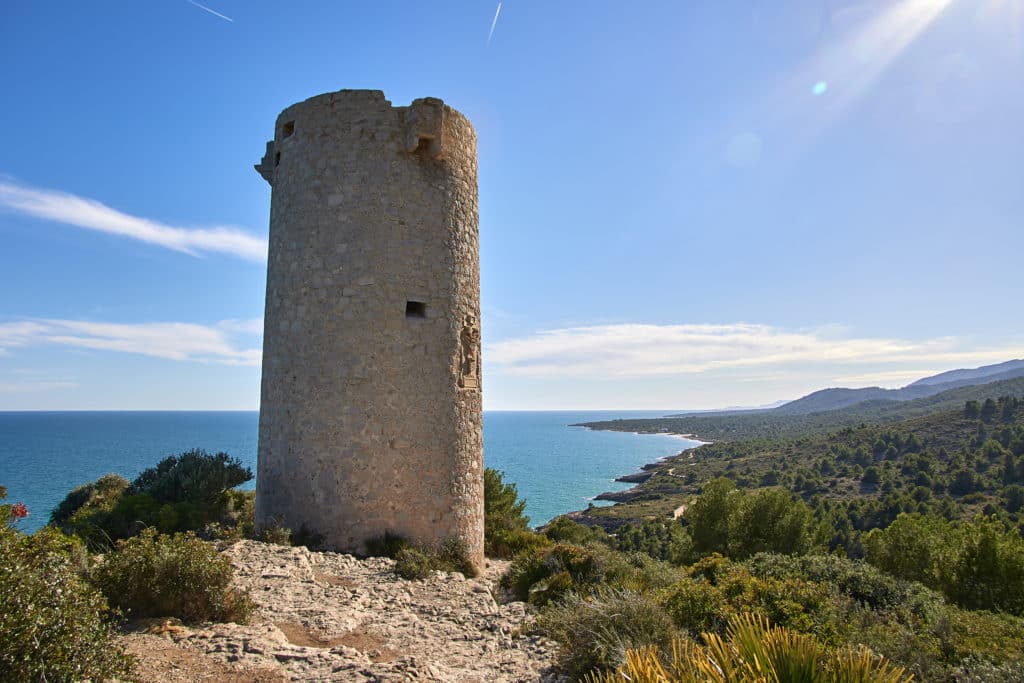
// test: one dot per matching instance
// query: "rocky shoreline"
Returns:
(331, 617)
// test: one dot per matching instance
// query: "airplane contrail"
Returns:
(223, 16)
(493, 23)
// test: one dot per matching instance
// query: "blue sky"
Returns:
(683, 204)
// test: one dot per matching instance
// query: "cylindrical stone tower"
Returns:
(370, 419)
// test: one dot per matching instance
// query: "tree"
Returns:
(914, 547)
(972, 410)
(769, 521)
(988, 410)
(708, 517)
(506, 528)
(871, 476)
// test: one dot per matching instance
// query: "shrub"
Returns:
(696, 606)
(511, 543)
(194, 476)
(752, 653)
(854, 578)
(153, 575)
(101, 494)
(979, 564)
(978, 670)
(388, 545)
(415, 563)
(275, 533)
(596, 632)
(506, 528)
(546, 574)
(52, 623)
(564, 530)
(186, 492)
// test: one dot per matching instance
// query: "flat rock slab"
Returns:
(333, 617)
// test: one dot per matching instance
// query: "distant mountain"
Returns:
(771, 424)
(1010, 366)
(834, 399)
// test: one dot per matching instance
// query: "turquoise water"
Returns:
(557, 468)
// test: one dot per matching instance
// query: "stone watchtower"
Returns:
(370, 420)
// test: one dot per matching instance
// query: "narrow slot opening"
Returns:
(277, 159)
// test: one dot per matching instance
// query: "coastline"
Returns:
(636, 478)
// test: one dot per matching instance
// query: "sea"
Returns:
(557, 468)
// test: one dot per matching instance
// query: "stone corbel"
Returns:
(424, 128)
(266, 166)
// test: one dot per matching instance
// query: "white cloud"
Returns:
(26, 387)
(249, 326)
(885, 378)
(172, 341)
(636, 350)
(70, 209)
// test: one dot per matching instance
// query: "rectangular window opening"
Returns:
(288, 129)
(423, 146)
(415, 309)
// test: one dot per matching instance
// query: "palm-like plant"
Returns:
(753, 651)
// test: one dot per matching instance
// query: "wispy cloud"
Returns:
(27, 387)
(172, 341)
(69, 209)
(636, 350)
(213, 12)
(885, 378)
(494, 23)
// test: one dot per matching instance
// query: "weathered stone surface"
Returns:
(370, 418)
(333, 617)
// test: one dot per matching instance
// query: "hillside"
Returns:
(836, 398)
(768, 424)
(989, 373)
(857, 478)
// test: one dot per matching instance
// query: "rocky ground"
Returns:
(332, 617)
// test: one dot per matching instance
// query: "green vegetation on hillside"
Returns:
(899, 538)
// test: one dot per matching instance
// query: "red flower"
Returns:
(18, 510)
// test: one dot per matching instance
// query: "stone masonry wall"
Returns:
(371, 416)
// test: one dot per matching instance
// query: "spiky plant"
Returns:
(753, 651)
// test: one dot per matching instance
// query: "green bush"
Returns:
(52, 623)
(186, 492)
(194, 476)
(506, 528)
(153, 575)
(594, 633)
(415, 563)
(696, 606)
(564, 530)
(853, 578)
(978, 564)
(546, 574)
(101, 494)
